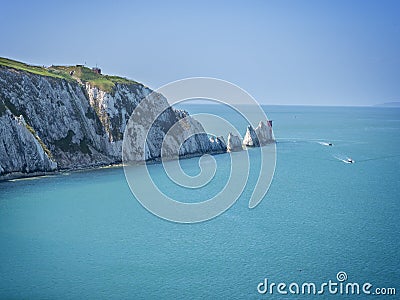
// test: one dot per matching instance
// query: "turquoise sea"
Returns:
(82, 235)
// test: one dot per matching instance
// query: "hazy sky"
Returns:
(281, 52)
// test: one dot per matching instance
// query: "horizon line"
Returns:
(378, 105)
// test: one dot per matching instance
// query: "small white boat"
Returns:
(350, 160)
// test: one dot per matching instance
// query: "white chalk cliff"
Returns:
(49, 123)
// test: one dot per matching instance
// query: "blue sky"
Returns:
(282, 52)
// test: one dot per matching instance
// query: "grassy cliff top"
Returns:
(72, 73)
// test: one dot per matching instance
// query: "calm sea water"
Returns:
(83, 236)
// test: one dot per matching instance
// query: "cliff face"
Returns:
(23, 146)
(49, 123)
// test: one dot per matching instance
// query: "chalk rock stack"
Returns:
(234, 143)
(264, 133)
(251, 139)
(261, 136)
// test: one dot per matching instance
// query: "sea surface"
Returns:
(82, 235)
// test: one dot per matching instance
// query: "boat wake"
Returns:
(345, 159)
(378, 158)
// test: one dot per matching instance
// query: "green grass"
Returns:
(84, 74)
(103, 82)
(121, 80)
(44, 147)
(31, 69)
